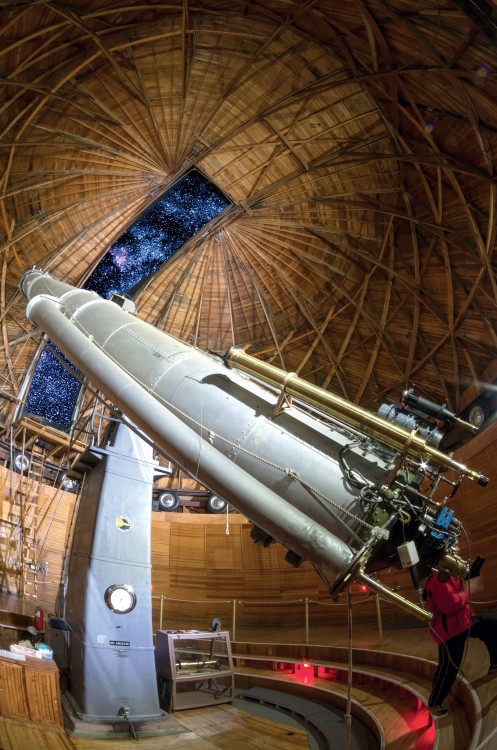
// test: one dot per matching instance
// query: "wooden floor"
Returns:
(206, 729)
(225, 727)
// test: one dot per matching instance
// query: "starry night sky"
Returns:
(163, 229)
(176, 217)
(53, 392)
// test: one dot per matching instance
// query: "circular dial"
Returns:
(476, 416)
(120, 598)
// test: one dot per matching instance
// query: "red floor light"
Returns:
(304, 672)
(421, 729)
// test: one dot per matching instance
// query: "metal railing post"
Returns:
(306, 621)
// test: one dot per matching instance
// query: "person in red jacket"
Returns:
(453, 622)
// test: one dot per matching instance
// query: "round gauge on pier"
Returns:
(120, 598)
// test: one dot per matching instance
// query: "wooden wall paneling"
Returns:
(476, 508)
(222, 550)
(55, 510)
(225, 587)
(187, 546)
(188, 579)
(160, 592)
(267, 589)
(161, 564)
(161, 536)
(226, 584)
(9, 544)
(190, 583)
(303, 582)
(33, 513)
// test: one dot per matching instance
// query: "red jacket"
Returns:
(449, 604)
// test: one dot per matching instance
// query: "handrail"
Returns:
(236, 602)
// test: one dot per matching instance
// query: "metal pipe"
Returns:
(307, 620)
(355, 416)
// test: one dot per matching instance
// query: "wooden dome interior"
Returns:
(356, 143)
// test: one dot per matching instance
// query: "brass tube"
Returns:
(197, 665)
(378, 618)
(355, 416)
(391, 596)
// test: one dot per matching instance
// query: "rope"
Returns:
(348, 714)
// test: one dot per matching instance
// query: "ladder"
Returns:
(25, 496)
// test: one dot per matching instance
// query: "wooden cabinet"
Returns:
(194, 669)
(29, 689)
(13, 697)
(42, 687)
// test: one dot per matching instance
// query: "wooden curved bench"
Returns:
(410, 675)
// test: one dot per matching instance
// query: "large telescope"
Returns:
(348, 490)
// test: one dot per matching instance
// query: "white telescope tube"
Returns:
(183, 446)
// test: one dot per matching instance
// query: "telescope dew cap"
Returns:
(24, 278)
(230, 351)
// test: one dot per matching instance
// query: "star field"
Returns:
(155, 237)
(53, 392)
(165, 227)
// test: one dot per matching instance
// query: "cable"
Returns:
(124, 711)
